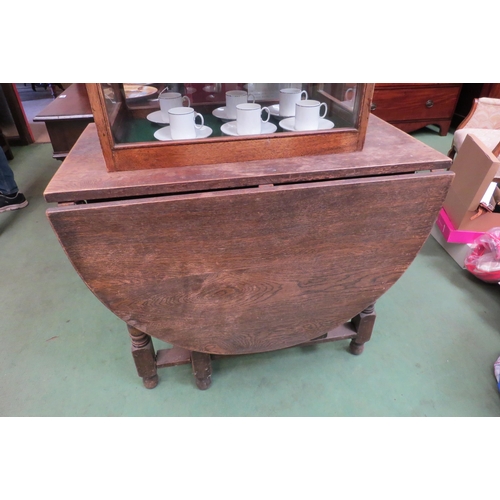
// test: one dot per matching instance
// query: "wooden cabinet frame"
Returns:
(151, 155)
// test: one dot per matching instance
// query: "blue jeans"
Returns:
(8, 185)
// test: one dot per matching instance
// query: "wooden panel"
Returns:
(387, 150)
(410, 103)
(71, 104)
(491, 90)
(64, 134)
(414, 105)
(251, 270)
(231, 149)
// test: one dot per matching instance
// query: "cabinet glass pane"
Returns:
(137, 112)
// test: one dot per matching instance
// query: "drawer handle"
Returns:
(373, 107)
(429, 103)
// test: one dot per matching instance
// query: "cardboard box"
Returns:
(475, 169)
(456, 251)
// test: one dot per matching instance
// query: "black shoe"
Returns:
(13, 202)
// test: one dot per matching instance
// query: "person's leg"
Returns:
(8, 184)
(10, 197)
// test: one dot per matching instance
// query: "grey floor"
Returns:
(63, 353)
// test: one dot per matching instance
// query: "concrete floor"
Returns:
(63, 353)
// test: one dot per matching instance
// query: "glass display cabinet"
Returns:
(134, 126)
(279, 230)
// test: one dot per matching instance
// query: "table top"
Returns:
(72, 104)
(387, 150)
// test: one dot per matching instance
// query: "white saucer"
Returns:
(156, 117)
(164, 133)
(289, 124)
(230, 128)
(275, 110)
(221, 114)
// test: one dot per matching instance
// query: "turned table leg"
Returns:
(202, 369)
(144, 357)
(363, 324)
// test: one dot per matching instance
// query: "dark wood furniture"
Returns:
(66, 118)
(246, 257)
(411, 106)
(21, 134)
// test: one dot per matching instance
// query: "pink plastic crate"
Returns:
(452, 235)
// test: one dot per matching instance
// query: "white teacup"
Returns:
(233, 98)
(307, 114)
(350, 94)
(182, 123)
(169, 100)
(288, 99)
(249, 118)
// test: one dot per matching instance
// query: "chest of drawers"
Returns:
(411, 106)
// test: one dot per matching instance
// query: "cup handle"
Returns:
(202, 121)
(326, 109)
(188, 100)
(304, 93)
(268, 114)
(349, 94)
(252, 96)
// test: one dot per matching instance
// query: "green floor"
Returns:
(63, 353)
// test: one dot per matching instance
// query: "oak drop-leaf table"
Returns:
(247, 257)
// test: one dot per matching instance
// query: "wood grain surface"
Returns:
(412, 106)
(387, 150)
(254, 269)
(71, 104)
